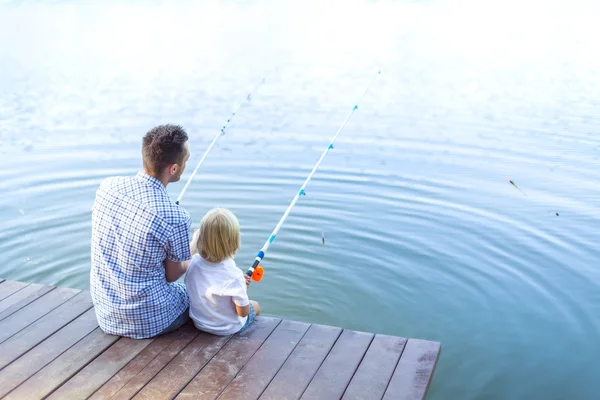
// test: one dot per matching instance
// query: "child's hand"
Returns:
(247, 279)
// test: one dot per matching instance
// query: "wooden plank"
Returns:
(414, 370)
(18, 296)
(376, 369)
(29, 337)
(96, 373)
(337, 370)
(221, 370)
(183, 337)
(14, 303)
(62, 368)
(50, 346)
(7, 288)
(297, 372)
(264, 364)
(134, 367)
(33, 311)
(38, 357)
(184, 367)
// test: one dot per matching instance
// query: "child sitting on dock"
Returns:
(217, 288)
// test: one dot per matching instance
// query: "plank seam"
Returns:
(358, 366)
(129, 380)
(42, 316)
(43, 339)
(201, 368)
(163, 367)
(320, 365)
(49, 362)
(249, 358)
(3, 317)
(283, 363)
(259, 347)
(395, 367)
(80, 369)
(18, 290)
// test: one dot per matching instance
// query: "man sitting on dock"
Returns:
(140, 243)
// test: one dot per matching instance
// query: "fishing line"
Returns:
(218, 135)
(521, 190)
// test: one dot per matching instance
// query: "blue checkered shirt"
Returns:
(135, 227)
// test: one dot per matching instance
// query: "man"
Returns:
(140, 243)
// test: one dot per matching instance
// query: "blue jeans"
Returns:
(250, 319)
(178, 323)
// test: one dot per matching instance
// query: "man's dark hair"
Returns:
(162, 146)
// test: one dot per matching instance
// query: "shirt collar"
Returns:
(150, 180)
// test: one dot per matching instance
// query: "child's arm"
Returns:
(242, 311)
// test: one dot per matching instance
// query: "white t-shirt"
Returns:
(213, 290)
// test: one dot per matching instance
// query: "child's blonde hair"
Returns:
(219, 235)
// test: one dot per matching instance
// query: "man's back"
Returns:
(135, 227)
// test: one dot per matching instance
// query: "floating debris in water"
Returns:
(323, 238)
(21, 211)
(515, 185)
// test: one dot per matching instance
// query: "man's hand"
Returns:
(247, 279)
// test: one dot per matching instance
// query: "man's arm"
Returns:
(175, 269)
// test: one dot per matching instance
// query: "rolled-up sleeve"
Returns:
(178, 243)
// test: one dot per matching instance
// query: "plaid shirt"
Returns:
(135, 227)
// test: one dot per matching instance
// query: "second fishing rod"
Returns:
(256, 271)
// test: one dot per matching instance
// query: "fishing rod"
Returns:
(256, 271)
(219, 134)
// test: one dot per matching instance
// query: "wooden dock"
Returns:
(51, 347)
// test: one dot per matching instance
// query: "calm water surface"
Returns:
(424, 236)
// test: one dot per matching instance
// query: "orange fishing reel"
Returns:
(257, 274)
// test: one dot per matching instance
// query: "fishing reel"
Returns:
(255, 272)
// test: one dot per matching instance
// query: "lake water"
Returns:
(424, 236)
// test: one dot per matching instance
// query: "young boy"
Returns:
(217, 288)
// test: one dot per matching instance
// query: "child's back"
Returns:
(214, 290)
(217, 287)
